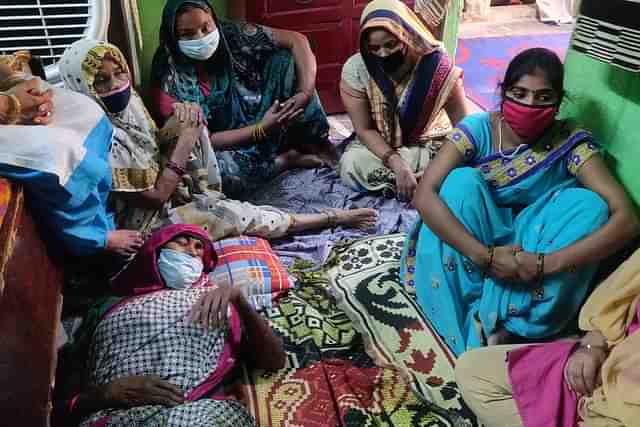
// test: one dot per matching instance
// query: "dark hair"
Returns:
(168, 38)
(37, 67)
(528, 62)
(188, 7)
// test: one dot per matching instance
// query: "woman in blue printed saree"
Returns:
(516, 212)
(255, 85)
(398, 91)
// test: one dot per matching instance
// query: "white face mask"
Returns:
(201, 49)
(178, 269)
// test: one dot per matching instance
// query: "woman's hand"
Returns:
(504, 265)
(37, 107)
(132, 391)
(124, 242)
(406, 181)
(190, 120)
(280, 115)
(300, 101)
(582, 371)
(210, 311)
(527, 266)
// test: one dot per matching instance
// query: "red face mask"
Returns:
(528, 121)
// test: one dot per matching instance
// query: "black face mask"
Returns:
(391, 63)
(117, 102)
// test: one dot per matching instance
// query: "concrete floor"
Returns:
(510, 21)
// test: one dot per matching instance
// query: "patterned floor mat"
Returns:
(330, 380)
(365, 278)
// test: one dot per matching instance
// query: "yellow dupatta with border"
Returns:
(611, 308)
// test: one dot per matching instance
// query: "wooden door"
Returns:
(332, 27)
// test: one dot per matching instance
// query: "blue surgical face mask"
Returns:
(115, 102)
(201, 49)
(179, 270)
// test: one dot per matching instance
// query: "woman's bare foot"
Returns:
(124, 242)
(363, 219)
(293, 159)
(500, 337)
(330, 160)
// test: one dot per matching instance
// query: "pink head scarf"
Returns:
(142, 275)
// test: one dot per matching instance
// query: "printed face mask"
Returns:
(178, 269)
(201, 49)
(528, 121)
(116, 101)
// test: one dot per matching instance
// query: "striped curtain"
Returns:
(609, 31)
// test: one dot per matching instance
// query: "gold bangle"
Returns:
(14, 111)
(262, 135)
(258, 133)
(387, 156)
(590, 347)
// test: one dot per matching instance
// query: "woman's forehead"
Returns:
(186, 236)
(192, 17)
(380, 36)
(109, 63)
(536, 81)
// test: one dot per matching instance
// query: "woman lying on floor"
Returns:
(63, 165)
(592, 382)
(171, 176)
(255, 86)
(516, 212)
(398, 92)
(158, 355)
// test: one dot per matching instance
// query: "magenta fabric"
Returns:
(228, 359)
(635, 324)
(536, 373)
(142, 276)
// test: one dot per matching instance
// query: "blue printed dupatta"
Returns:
(532, 200)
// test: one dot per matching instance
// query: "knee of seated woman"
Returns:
(466, 373)
(586, 202)
(351, 162)
(465, 368)
(466, 178)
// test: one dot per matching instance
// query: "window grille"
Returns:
(47, 27)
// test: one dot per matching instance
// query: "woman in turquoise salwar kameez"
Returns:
(516, 212)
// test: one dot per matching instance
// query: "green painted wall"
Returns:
(150, 17)
(606, 100)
